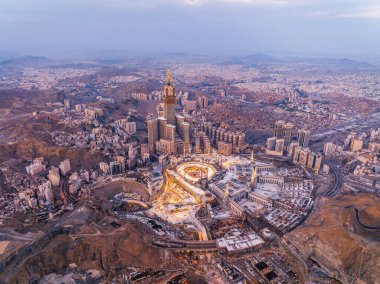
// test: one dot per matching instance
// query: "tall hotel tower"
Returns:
(169, 101)
(171, 133)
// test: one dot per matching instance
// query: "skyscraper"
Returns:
(279, 129)
(303, 137)
(162, 122)
(284, 130)
(169, 101)
(152, 133)
(172, 132)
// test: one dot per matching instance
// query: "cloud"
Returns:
(373, 12)
(154, 3)
(363, 11)
(323, 13)
(246, 2)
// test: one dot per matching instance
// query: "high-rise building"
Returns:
(169, 101)
(278, 129)
(328, 148)
(303, 137)
(36, 167)
(224, 148)
(241, 139)
(284, 130)
(189, 105)
(121, 161)
(162, 121)
(65, 167)
(115, 168)
(296, 155)
(275, 146)
(356, 145)
(271, 143)
(279, 145)
(301, 156)
(189, 119)
(314, 161)
(166, 147)
(304, 156)
(144, 152)
(236, 138)
(180, 119)
(288, 133)
(202, 101)
(54, 176)
(170, 133)
(152, 124)
(291, 149)
(186, 136)
(202, 144)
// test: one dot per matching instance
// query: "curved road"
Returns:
(338, 179)
(66, 192)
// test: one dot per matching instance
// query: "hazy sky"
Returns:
(335, 27)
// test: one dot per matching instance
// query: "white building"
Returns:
(155, 182)
(45, 190)
(54, 176)
(240, 244)
(65, 167)
(36, 167)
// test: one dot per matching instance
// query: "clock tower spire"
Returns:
(169, 100)
(168, 76)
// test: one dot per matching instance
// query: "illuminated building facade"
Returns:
(170, 133)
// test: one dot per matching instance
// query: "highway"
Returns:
(338, 179)
(63, 225)
(357, 124)
(187, 245)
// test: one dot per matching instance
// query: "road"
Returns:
(338, 179)
(7, 235)
(304, 270)
(66, 192)
(356, 124)
(187, 245)
(340, 131)
(22, 254)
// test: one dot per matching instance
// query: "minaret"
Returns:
(254, 177)
(252, 157)
(169, 101)
(227, 192)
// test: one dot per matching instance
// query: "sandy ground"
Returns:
(331, 235)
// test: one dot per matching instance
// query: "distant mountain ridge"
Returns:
(8, 59)
(28, 60)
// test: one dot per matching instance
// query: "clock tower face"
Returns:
(169, 89)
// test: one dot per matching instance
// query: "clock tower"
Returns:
(169, 101)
